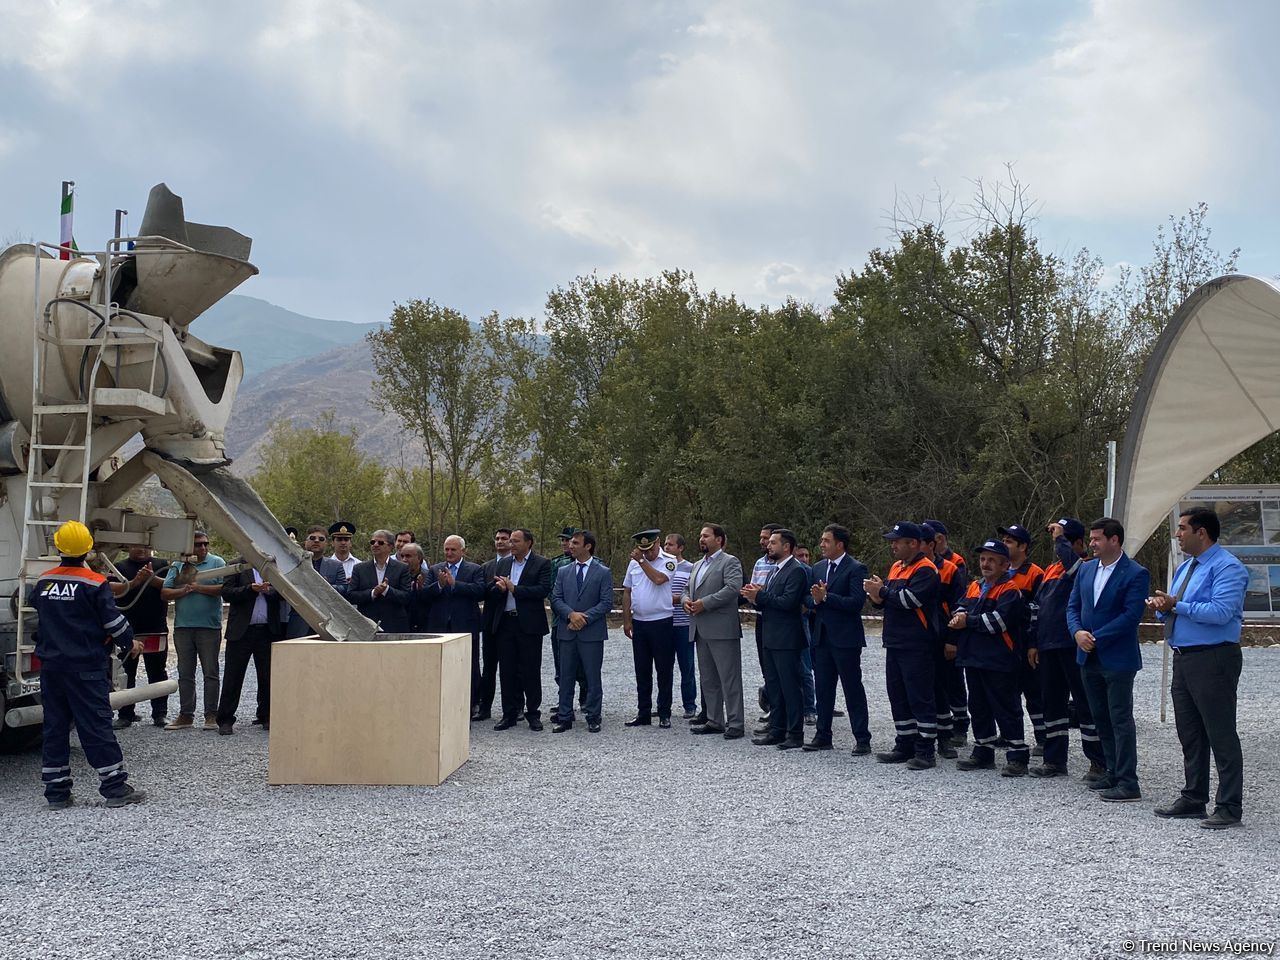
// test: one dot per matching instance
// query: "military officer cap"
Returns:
(342, 529)
(568, 532)
(646, 538)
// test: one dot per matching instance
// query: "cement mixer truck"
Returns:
(98, 349)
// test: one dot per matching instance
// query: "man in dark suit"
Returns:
(836, 598)
(379, 588)
(782, 640)
(1106, 605)
(516, 622)
(489, 660)
(581, 599)
(454, 589)
(316, 542)
(253, 624)
(410, 554)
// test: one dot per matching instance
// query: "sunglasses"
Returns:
(202, 546)
(374, 543)
(315, 536)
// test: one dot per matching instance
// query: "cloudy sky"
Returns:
(482, 153)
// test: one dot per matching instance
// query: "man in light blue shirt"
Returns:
(1202, 618)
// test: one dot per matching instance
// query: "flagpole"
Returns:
(66, 238)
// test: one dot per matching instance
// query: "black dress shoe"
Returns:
(535, 725)
(814, 745)
(734, 734)
(561, 727)
(767, 741)
(640, 721)
(1181, 809)
(664, 722)
(593, 726)
(506, 723)
(791, 744)
(700, 718)
(1120, 795)
(1219, 820)
(482, 715)
(705, 728)
(862, 749)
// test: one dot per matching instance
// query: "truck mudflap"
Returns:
(237, 513)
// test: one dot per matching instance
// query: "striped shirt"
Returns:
(679, 581)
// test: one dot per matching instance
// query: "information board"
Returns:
(1250, 518)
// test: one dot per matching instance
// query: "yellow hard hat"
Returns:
(73, 539)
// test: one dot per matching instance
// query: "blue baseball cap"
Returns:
(1072, 528)
(928, 531)
(905, 530)
(1019, 533)
(938, 527)
(995, 546)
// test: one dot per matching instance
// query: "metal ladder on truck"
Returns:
(52, 497)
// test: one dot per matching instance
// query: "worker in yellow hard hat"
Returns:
(78, 618)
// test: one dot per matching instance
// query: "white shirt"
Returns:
(704, 563)
(348, 564)
(517, 568)
(649, 600)
(259, 614)
(1101, 576)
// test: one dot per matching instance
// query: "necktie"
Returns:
(453, 570)
(1171, 616)
(831, 568)
(582, 574)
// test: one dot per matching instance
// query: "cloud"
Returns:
(512, 146)
(1129, 112)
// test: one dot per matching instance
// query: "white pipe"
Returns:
(30, 716)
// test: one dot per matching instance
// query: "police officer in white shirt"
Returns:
(648, 621)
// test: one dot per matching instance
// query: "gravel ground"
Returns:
(637, 843)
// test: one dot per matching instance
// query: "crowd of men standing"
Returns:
(966, 649)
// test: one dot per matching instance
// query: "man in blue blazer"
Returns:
(453, 590)
(1106, 605)
(581, 599)
(837, 598)
(780, 601)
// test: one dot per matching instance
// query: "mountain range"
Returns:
(296, 368)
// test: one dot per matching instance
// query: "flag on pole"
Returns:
(67, 240)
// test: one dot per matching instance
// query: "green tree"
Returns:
(449, 382)
(317, 475)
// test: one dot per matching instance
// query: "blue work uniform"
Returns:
(910, 635)
(990, 647)
(78, 619)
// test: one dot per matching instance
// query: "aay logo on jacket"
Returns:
(59, 591)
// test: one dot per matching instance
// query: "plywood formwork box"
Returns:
(389, 711)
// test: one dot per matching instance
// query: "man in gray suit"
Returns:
(711, 599)
(581, 599)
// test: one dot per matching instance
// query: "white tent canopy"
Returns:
(1210, 390)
